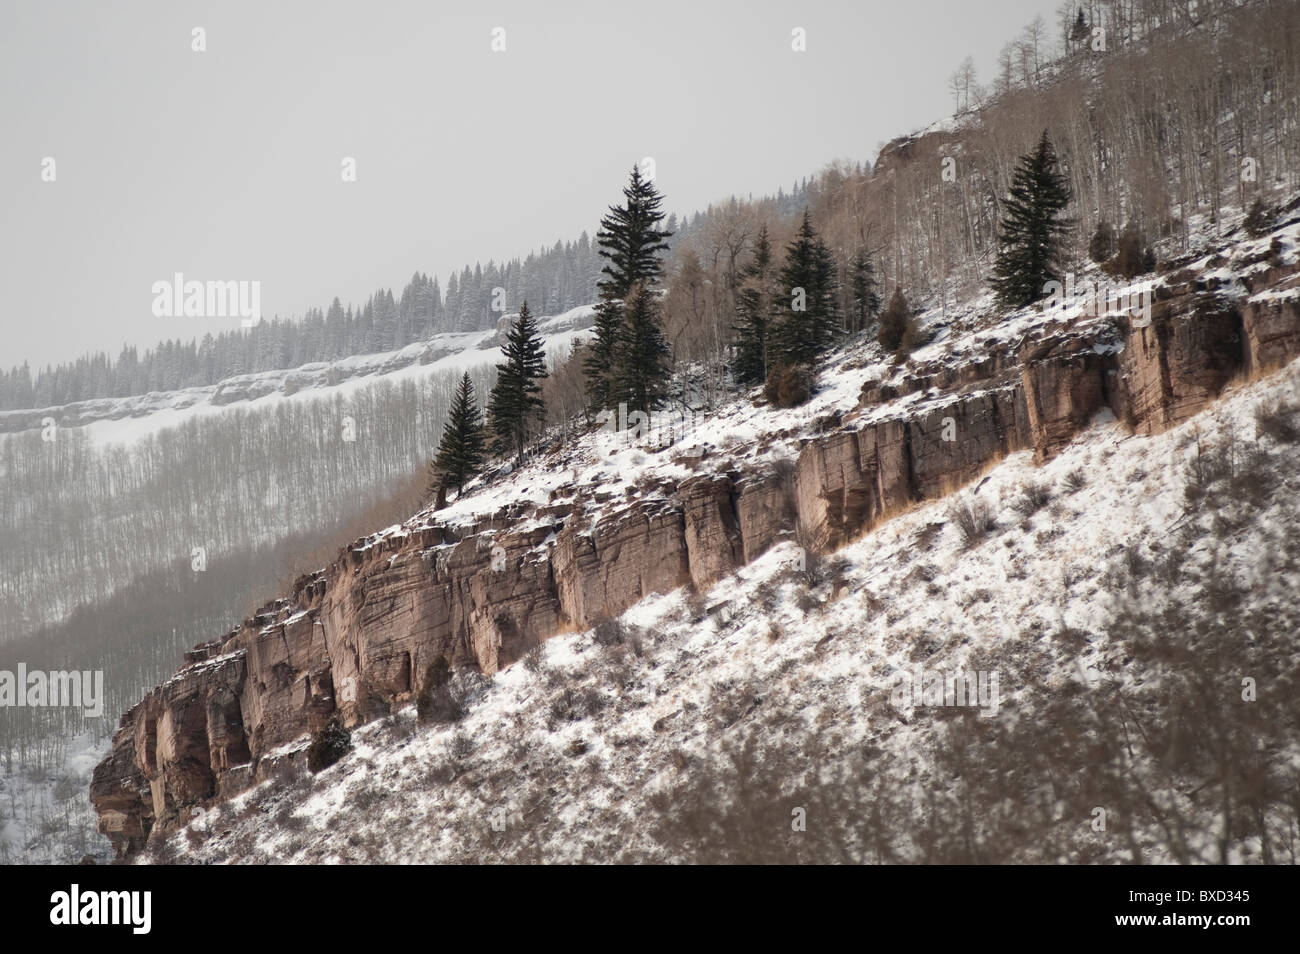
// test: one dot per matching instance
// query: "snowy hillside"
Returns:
(94, 535)
(698, 727)
(123, 420)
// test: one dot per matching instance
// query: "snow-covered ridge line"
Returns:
(120, 420)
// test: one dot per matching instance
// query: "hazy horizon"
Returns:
(225, 164)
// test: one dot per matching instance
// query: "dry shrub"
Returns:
(332, 743)
(974, 520)
(1259, 219)
(1277, 421)
(1034, 496)
(535, 659)
(789, 386)
(446, 696)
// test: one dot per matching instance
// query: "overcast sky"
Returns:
(226, 164)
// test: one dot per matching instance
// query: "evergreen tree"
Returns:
(866, 291)
(598, 360)
(808, 311)
(755, 300)
(1079, 32)
(630, 240)
(516, 398)
(460, 453)
(1102, 244)
(1031, 229)
(641, 354)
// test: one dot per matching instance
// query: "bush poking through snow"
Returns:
(835, 571)
(462, 747)
(789, 386)
(974, 520)
(609, 632)
(1278, 421)
(441, 702)
(535, 659)
(695, 605)
(331, 744)
(1033, 498)
(1258, 220)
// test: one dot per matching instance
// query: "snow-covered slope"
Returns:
(698, 715)
(123, 420)
(761, 720)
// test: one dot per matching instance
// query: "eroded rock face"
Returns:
(358, 638)
(1271, 327)
(1178, 364)
(629, 555)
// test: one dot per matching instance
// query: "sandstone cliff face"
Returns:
(357, 638)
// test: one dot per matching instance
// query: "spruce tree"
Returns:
(460, 452)
(808, 316)
(866, 291)
(1079, 32)
(641, 354)
(598, 359)
(516, 400)
(630, 240)
(1031, 228)
(755, 300)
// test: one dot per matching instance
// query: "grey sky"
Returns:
(226, 164)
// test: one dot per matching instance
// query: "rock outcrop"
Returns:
(358, 638)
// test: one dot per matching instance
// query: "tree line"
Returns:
(554, 279)
(1179, 123)
(787, 317)
(79, 520)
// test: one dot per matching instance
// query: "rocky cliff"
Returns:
(356, 638)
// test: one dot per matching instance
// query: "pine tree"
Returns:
(516, 402)
(755, 300)
(460, 453)
(641, 354)
(866, 291)
(630, 240)
(1031, 229)
(808, 312)
(1079, 32)
(598, 360)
